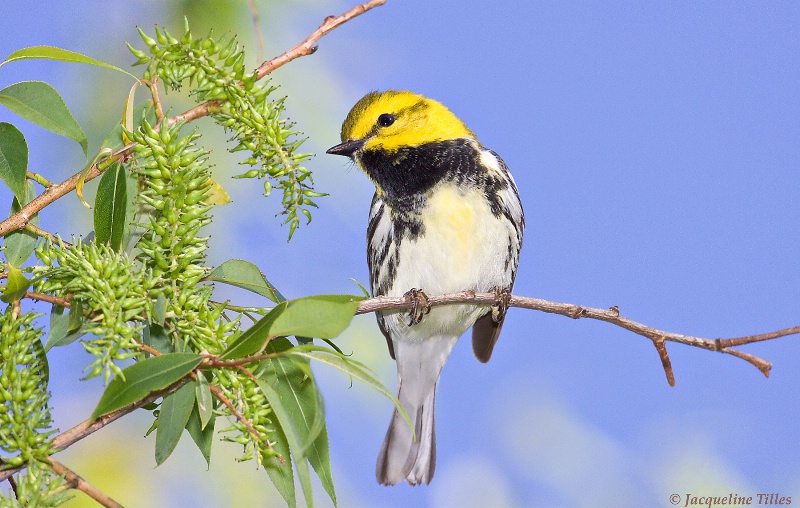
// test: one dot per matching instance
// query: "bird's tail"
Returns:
(418, 367)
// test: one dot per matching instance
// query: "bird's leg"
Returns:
(419, 305)
(500, 306)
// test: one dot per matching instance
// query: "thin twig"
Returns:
(74, 481)
(36, 230)
(55, 300)
(576, 311)
(88, 427)
(307, 47)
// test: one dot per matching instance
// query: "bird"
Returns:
(445, 217)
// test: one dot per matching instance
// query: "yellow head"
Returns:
(394, 119)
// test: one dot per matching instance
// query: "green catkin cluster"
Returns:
(215, 72)
(252, 402)
(175, 182)
(109, 288)
(36, 486)
(24, 413)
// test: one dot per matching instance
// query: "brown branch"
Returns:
(76, 482)
(307, 47)
(608, 315)
(88, 427)
(20, 219)
(55, 300)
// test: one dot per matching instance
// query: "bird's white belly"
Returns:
(464, 246)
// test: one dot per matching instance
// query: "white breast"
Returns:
(464, 246)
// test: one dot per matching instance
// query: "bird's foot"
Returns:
(419, 305)
(500, 306)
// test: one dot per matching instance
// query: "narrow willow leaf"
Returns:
(205, 403)
(352, 368)
(245, 275)
(20, 244)
(217, 195)
(202, 437)
(172, 420)
(254, 337)
(160, 309)
(300, 409)
(143, 378)
(16, 285)
(13, 159)
(281, 474)
(105, 152)
(322, 316)
(40, 103)
(155, 337)
(115, 140)
(127, 113)
(76, 315)
(110, 206)
(64, 55)
(59, 334)
(293, 439)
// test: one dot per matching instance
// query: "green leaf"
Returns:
(16, 285)
(174, 415)
(40, 103)
(246, 275)
(323, 316)
(64, 55)
(59, 334)
(19, 245)
(202, 437)
(13, 159)
(205, 403)
(155, 337)
(254, 337)
(144, 377)
(352, 368)
(76, 316)
(110, 206)
(115, 139)
(292, 393)
(281, 474)
(102, 154)
(160, 309)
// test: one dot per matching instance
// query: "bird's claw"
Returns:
(500, 306)
(419, 305)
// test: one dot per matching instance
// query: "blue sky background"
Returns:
(656, 147)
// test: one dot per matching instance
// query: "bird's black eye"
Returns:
(385, 120)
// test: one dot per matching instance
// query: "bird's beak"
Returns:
(347, 148)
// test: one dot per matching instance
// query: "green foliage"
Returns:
(138, 289)
(24, 413)
(40, 103)
(215, 69)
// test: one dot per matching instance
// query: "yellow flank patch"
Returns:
(417, 120)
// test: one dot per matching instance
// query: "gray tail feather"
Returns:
(418, 368)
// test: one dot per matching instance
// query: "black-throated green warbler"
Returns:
(446, 217)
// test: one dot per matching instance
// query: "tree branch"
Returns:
(74, 481)
(20, 219)
(80, 431)
(307, 47)
(383, 303)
